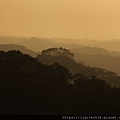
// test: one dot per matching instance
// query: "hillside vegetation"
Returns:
(28, 87)
(65, 59)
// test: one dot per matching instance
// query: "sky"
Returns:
(94, 19)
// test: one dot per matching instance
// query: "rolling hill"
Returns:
(24, 50)
(33, 43)
(76, 67)
(112, 45)
(94, 51)
(102, 61)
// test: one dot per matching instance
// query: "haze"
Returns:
(61, 18)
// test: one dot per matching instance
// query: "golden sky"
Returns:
(61, 18)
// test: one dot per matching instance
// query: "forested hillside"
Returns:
(28, 87)
(66, 58)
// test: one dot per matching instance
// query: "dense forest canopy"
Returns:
(58, 52)
(29, 87)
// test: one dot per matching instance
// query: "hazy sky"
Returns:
(61, 18)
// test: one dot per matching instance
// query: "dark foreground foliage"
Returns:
(28, 87)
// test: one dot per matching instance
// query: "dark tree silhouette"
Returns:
(58, 52)
(28, 87)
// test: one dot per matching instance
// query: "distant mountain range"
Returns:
(89, 55)
(112, 45)
(38, 43)
(101, 61)
(35, 44)
(74, 67)
(94, 51)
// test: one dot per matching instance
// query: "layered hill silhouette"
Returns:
(101, 61)
(112, 45)
(33, 43)
(8, 47)
(94, 51)
(59, 55)
(38, 44)
(28, 87)
(98, 57)
(91, 56)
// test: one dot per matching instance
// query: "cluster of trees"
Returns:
(16, 63)
(58, 52)
(28, 87)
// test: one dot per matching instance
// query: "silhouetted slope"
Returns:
(11, 39)
(110, 77)
(103, 61)
(38, 44)
(7, 47)
(94, 51)
(28, 87)
(82, 42)
(112, 45)
(33, 43)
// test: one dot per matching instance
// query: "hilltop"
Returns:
(8, 47)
